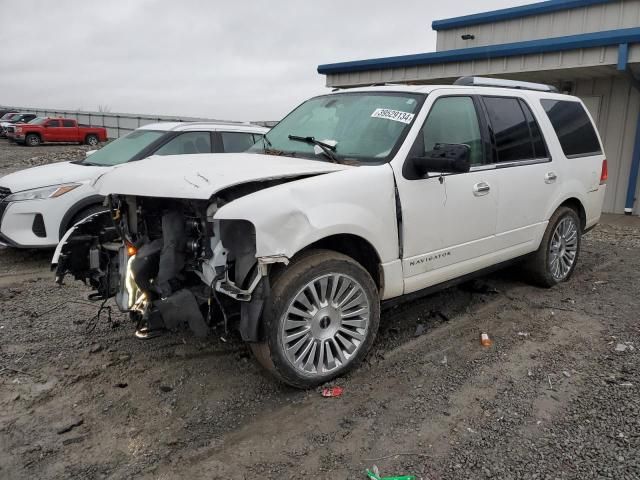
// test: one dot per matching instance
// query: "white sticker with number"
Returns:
(395, 115)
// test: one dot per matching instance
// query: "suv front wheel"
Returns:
(556, 259)
(320, 320)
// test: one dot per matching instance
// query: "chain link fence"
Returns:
(118, 124)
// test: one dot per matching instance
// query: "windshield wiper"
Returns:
(326, 148)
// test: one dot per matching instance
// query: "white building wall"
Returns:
(594, 18)
(617, 118)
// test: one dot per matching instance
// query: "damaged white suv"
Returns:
(355, 197)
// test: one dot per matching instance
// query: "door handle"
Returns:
(480, 189)
(550, 177)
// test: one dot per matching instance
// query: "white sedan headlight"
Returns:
(42, 193)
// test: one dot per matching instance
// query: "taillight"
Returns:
(604, 175)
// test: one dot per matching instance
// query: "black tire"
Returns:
(32, 140)
(289, 283)
(84, 213)
(92, 140)
(539, 265)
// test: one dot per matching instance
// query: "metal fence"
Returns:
(118, 124)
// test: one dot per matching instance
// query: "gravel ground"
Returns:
(554, 397)
(15, 157)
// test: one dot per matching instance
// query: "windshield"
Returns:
(38, 120)
(124, 148)
(363, 126)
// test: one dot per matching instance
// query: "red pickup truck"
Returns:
(58, 130)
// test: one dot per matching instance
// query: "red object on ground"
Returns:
(332, 391)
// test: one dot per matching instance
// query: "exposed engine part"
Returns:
(181, 308)
(81, 252)
(228, 287)
(172, 256)
(172, 263)
(193, 245)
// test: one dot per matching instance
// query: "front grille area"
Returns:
(11, 129)
(38, 227)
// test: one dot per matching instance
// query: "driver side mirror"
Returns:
(444, 158)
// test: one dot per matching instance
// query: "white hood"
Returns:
(51, 174)
(199, 176)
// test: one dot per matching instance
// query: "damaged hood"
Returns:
(200, 176)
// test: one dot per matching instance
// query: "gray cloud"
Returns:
(233, 60)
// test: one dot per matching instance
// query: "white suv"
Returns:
(355, 197)
(38, 205)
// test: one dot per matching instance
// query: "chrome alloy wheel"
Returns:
(325, 324)
(563, 248)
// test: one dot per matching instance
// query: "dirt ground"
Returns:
(554, 397)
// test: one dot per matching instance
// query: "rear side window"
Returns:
(234, 142)
(516, 133)
(574, 129)
(185, 143)
(68, 123)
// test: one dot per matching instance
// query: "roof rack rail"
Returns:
(502, 83)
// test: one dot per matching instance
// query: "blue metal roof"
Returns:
(571, 42)
(513, 12)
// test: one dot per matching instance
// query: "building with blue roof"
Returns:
(588, 48)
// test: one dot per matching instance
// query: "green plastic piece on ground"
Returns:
(373, 476)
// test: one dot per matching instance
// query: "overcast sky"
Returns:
(235, 60)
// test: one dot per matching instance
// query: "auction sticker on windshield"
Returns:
(395, 115)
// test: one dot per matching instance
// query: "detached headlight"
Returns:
(42, 193)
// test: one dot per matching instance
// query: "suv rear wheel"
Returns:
(556, 259)
(320, 320)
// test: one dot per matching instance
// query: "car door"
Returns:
(527, 176)
(448, 220)
(69, 131)
(52, 130)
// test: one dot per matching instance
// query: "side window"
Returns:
(454, 120)
(234, 142)
(573, 127)
(188, 142)
(53, 123)
(510, 129)
(68, 123)
(539, 147)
